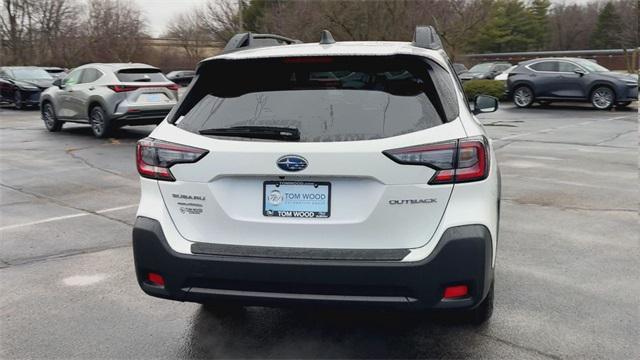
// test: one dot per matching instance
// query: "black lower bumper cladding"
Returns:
(462, 257)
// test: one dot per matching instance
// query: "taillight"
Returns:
(455, 161)
(122, 88)
(125, 88)
(155, 157)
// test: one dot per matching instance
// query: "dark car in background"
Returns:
(56, 72)
(181, 77)
(459, 68)
(22, 85)
(570, 79)
(484, 71)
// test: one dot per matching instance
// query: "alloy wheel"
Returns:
(523, 97)
(48, 117)
(97, 121)
(602, 98)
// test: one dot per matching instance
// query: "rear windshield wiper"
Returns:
(256, 132)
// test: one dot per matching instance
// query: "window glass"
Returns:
(73, 78)
(567, 66)
(90, 75)
(545, 66)
(591, 66)
(327, 99)
(30, 74)
(141, 75)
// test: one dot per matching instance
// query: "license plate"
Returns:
(297, 199)
(151, 97)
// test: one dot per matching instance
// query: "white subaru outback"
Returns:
(332, 172)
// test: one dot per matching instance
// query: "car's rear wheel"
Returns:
(523, 96)
(100, 123)
(603, 98)
(482, 312)
(17, 100)
(51, 122)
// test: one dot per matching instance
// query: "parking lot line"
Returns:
(65, 217)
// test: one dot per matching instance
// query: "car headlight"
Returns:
(27, 87)
(631, 82)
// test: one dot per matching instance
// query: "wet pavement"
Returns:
(566, 278)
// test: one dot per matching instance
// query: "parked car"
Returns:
(56, 72)
(22, 85)
(276, 183)
(487, 70)
(181, 77)
(503, 76)
(108, 96)
(459, 68)
(570, 79)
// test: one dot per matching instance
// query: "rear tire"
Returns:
(100, 123)
(523, 96)
(602, 98)
(17, 100)
(51, 122)
(482, 313)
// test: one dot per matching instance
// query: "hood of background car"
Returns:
(40, 83)
(472, 75)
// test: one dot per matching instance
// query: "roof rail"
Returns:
(427, 37)
(243, 41)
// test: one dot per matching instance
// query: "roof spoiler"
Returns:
(243, 41)
(427, 37)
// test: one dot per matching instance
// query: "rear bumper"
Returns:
(142, 117)
(463, 256)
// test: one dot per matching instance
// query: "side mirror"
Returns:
(58, 83)
(484, 104)
(580, 72)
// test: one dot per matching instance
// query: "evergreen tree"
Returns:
(607, 34)
(510, 28)
(539, 10)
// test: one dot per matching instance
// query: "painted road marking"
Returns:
(59, 218)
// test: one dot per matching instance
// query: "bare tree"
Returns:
(221, 18)
(115, 30)
(190, 31)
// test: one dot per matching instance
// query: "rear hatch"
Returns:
(146, 88)
(310, 152)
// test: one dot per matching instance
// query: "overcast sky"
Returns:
(159, 12)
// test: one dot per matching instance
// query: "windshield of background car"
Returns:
(591, 66)
(481, 68)
(141, 75)
(30, 74)
(325, 98)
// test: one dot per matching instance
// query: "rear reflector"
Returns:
(458, 291)
(155, 157)
(455, 161)
(155, 279)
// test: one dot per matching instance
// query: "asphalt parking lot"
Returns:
(567, 269)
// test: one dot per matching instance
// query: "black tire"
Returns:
(602, 98)
(623, 104)
(482, 313)
(49, 117)
(100, 122)
(17, 100)
(523, 96)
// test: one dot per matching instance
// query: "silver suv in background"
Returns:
(109, 96)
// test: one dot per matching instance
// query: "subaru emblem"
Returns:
(292, 163)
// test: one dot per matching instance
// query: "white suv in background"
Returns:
(332, 172)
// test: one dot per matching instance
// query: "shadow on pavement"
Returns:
(299, 333)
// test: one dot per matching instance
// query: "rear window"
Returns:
(141, 75)
(326, 98)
